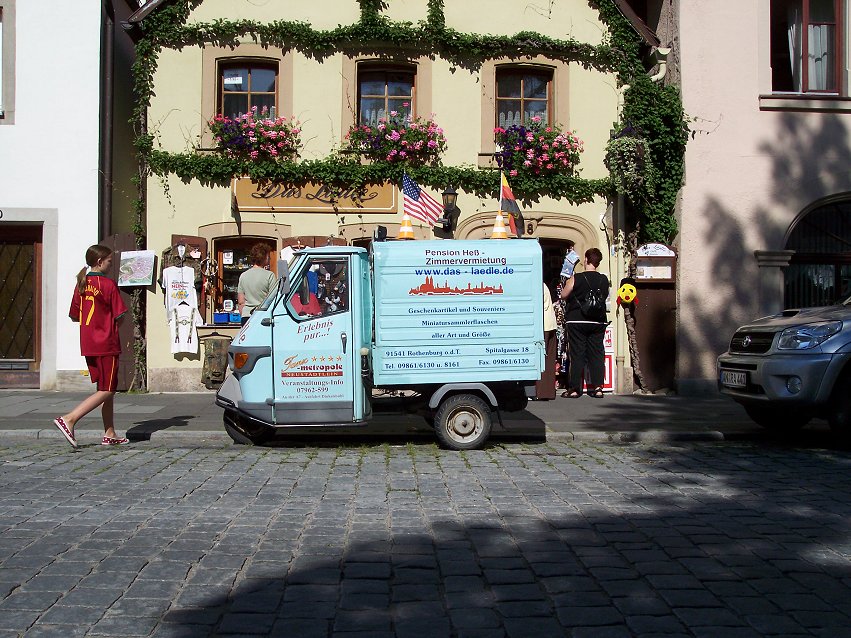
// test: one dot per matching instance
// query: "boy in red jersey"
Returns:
(98, 307)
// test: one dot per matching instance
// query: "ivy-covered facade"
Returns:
(468, 68)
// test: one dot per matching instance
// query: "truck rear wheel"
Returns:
(463, 422)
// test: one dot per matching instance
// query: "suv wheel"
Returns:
(839, 416)
(777, 419)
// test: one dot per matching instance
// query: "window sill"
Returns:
(804, 102)
(486, 160)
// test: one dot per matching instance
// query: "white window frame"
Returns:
(7, 62)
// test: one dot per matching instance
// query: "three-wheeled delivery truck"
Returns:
(455, 325)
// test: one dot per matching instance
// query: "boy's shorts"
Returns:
(103, 370)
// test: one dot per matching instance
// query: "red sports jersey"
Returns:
(97, 310)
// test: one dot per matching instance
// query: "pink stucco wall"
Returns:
(749, 173)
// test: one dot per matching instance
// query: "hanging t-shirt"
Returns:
(181, 307)
(179, 287)
(182, 327)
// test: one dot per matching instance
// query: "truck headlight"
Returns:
(808, 336)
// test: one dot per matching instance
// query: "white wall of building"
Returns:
(49, 158)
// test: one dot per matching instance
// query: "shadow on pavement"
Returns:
(142, 431)
(752, 548)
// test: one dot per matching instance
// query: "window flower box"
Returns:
(398, 138)
(257, 136)
(537, 149)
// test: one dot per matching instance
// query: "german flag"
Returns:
(509, 208)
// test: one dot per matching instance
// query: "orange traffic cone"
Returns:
(406, 230)
(499, 231)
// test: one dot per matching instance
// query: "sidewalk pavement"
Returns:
(159, 416)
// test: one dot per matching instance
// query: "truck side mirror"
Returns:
(283, 276)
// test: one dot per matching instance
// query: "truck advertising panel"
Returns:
(456, 311)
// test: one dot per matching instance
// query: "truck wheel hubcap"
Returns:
(464, 424)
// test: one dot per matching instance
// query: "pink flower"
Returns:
(513, 173)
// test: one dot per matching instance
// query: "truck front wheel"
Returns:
(242, 433)
(463, 422)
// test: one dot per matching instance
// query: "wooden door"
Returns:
(20, 306)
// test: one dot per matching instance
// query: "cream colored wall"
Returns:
(318, 100)
(322, 14)
(749, 173)
(174, 117)
(563, 20)
(316, 103)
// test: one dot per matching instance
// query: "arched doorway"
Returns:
(819, 273)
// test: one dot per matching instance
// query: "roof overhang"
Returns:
(647, 34)
(140, 14)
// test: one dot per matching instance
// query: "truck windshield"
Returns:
(321, 289)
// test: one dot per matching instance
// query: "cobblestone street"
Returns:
(553, 539)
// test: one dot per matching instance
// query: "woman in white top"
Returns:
(545, 389)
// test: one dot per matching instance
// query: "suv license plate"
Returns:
(732, 379)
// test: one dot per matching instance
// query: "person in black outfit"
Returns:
(585, 334)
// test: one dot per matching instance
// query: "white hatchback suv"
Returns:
(791, 367)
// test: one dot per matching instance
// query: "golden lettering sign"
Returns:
(313, 198)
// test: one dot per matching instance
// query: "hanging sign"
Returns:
(313, 198)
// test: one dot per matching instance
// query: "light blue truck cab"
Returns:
(455, 326)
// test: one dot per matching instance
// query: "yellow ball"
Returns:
(627, 293)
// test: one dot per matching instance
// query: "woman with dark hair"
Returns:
(585, 331)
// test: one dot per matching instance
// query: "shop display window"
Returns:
(233, 257)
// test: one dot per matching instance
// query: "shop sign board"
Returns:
(313, 198)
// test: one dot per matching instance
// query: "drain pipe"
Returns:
(107, 77)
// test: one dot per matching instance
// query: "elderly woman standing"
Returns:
(256, 283)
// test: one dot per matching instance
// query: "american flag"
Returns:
(418, 203)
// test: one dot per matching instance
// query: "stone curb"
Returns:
(581, 436)
(645, 436)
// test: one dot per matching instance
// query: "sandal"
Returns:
(59, 422)
(108, 440)
(570, 394)
(596, 393)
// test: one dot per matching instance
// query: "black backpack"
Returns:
(593, 304)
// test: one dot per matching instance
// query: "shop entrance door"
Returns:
(20, 306)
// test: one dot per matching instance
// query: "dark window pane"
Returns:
(398, 106)
(235, 105)
(372, 87)
(262, 80)
(535, 86)
(822, 11)
(261, 101)
(400, 86)
(534, 108)
(508, 113)
(508, 85)
(371, 109)
(235, 79)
